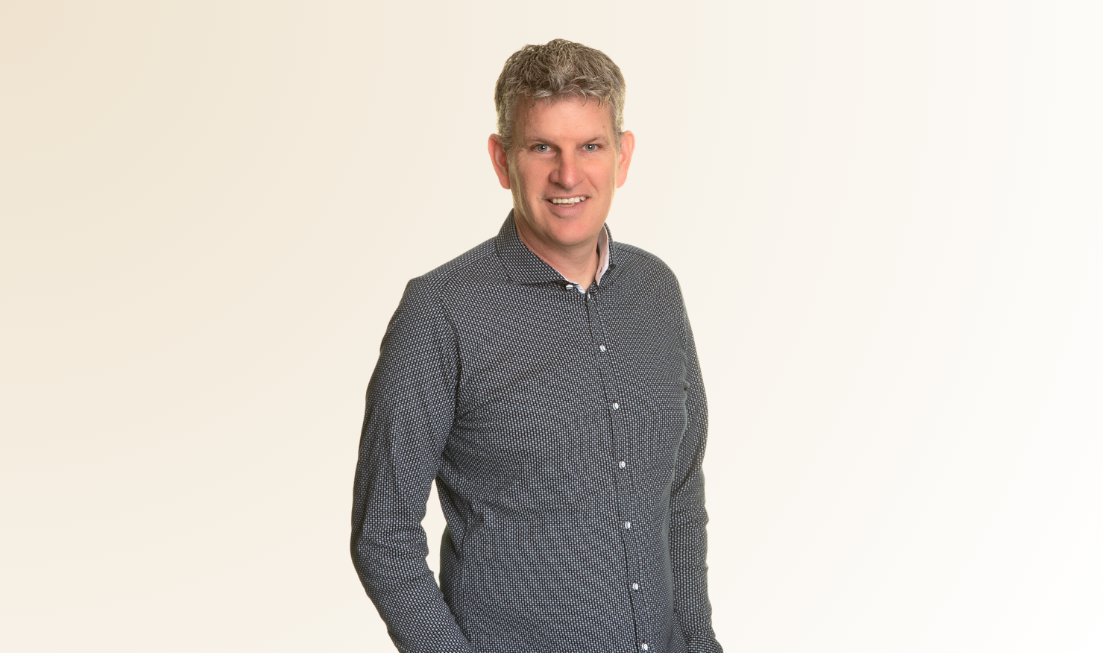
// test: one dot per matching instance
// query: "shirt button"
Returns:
(635, 586)
(616, 406)
(622, 464)
(643, 647)
(569, 286)
(602, 347)
(627, 525)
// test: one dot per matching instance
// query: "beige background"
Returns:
(886, 217)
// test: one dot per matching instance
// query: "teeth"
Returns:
(567, 200)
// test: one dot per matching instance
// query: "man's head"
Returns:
(560, 146)
(556, 70)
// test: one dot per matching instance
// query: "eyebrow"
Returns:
(532, 140)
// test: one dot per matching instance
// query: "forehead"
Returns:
(563, 116)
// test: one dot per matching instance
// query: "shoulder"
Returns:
(640, 257)
(471, 267)
(424, 313)
(472, 262)
(641, 266)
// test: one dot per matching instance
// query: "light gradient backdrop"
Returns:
(886, 217)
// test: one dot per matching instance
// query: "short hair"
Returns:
(558, 69)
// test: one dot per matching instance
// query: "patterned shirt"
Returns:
(565, 432)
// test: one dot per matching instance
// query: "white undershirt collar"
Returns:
(602, 258)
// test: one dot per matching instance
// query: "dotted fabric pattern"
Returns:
(565, 432)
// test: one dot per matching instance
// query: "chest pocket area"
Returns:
(665, 415)
(537, 448)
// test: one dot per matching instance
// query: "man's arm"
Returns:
(688, 545)
(408, 417)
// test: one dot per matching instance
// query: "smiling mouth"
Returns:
(567, 201)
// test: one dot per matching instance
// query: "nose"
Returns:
(566, 173)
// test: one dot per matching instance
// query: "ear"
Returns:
(624, 157)
(499, 159)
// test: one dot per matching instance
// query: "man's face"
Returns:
(562, 169)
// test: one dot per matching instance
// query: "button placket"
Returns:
(624, 491)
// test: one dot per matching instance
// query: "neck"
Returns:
(577, 265)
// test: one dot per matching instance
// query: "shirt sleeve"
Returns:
(688, 542)
(408, 416)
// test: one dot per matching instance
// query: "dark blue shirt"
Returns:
(565, 432)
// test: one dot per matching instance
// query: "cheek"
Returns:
(521, 176)
(602, 173)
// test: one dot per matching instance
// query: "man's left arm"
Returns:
(688, 541)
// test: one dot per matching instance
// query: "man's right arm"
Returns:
(408, 417)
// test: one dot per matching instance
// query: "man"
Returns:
(547, 380)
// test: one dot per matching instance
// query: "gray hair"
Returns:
(558, 69)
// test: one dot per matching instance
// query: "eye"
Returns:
(541, 148)
(590, 147)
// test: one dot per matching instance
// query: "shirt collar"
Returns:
(523, 266)
(602, 253)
